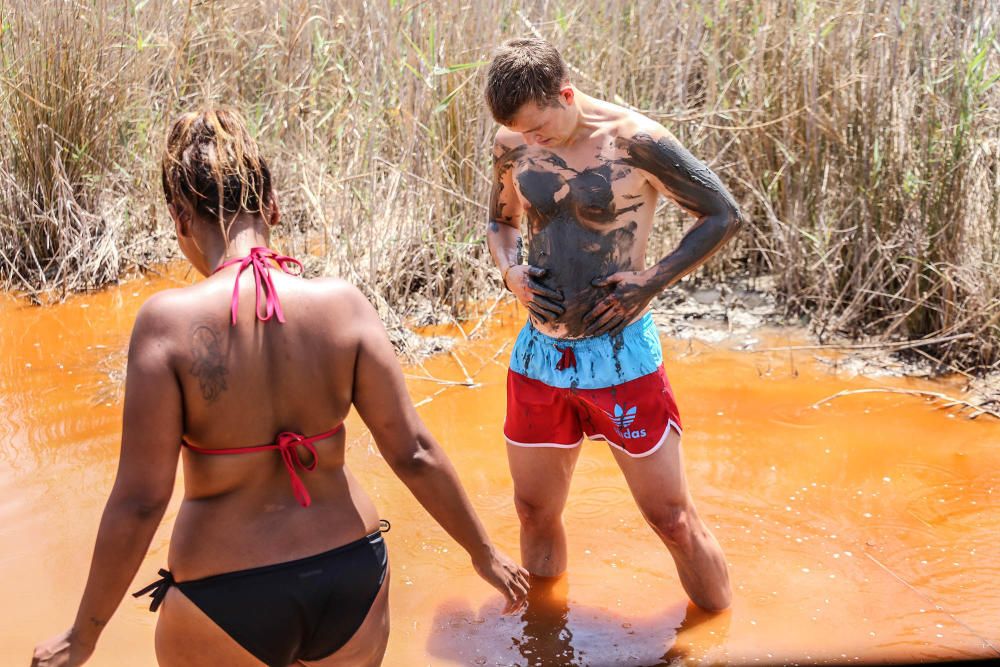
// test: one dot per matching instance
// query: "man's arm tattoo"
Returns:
(501, 165)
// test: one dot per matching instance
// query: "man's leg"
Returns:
(541, 483)
(660, 489)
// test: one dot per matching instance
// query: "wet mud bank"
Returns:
(744, 313)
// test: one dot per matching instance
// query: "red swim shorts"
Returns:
(614, 389)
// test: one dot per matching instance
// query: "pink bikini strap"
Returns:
(287, 444)
(258, 259)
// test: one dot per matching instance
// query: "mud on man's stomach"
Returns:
(573, 258)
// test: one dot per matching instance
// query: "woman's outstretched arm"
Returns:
(151, 438)
(384, 404)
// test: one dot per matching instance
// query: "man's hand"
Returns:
(629, 292)
(503, 574)
(61, 651)
(542, 302)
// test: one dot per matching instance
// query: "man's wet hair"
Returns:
(523, 70)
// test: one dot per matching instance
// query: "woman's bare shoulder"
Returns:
(160, 310)
(337, 291)
(343, 302)
(156, 323)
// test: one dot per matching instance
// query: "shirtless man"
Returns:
(587, 175)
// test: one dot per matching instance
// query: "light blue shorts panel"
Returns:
(601, 361)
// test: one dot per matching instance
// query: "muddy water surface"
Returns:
(864, 529)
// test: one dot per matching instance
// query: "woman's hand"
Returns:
(61, 651)
(503, 574)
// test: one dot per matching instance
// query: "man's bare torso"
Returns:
(589, 209)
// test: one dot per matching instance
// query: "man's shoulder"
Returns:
(505, 140)
(629, 123)
(623, 121)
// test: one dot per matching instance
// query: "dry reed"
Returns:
(861, 137)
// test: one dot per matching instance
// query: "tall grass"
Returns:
(861, 138)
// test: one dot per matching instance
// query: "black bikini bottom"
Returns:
(304, 609)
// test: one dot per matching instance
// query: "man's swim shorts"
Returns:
(607, 387)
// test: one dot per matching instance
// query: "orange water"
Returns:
(865, 529)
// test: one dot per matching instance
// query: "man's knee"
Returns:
(537, 515)
(673, 522)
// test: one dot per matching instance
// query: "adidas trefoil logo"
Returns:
(623, 419)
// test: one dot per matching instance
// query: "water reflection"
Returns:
(546, 638)
(555, 630)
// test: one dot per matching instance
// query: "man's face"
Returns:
(548, 125)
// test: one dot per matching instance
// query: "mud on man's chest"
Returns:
(602, 196)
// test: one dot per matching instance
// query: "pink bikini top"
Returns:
(287, 442)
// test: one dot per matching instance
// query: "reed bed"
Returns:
(861, 137)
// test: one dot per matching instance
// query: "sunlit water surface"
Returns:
(865, 529)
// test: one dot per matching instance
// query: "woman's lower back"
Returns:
(261, 523)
